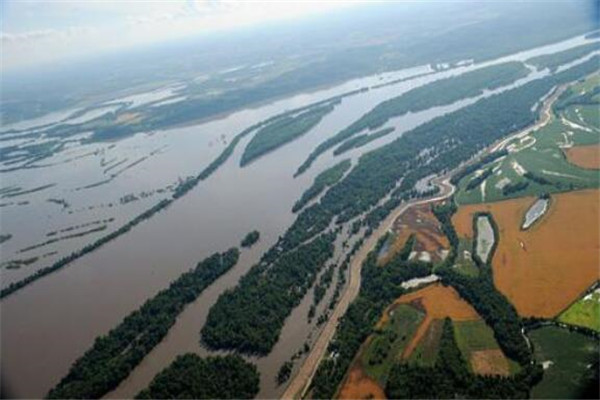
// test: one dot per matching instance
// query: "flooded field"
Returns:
(535, 212)
(84, 186)
(485, 238)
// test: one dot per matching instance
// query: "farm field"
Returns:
(584, 156)
(567, 358)
(371, 367)
(438, 302)
(479, 347)
(430, 242)
(411, 329)
(546, 268)
(585, 312)
(426, 351)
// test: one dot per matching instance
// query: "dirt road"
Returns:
(303, 378)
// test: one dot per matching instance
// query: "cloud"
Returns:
(43, 34)
(7, 37)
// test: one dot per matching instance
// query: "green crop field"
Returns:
(541, 153)
(585, 312)
(387, 344)
(568, 358)
(427, 350)
(474, 336)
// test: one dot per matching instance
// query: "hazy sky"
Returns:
(34, 32)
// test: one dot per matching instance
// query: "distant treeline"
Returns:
(115, 355)
(555, 60)
(282, 131)
(361, 140)
(437, 93)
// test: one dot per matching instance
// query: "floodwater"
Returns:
(535, 212)
(485, 238)
(49, 324)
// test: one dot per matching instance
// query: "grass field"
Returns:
(546, 268)
(567, 357)
(464, 259)
(390, 341)
(426, 351)
(478, 345)
(585, 312)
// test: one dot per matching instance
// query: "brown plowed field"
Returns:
(420, 221)
(358, 385)
(489, 362)
(544, 269)
(584, 156)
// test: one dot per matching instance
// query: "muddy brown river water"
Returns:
(49, 324)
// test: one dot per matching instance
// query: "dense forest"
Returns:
(437, 93)
(250, 239)
(284, 130)
(193, 377)
(326, 178)
(555, 60)
(320, 289)
(249, 317)
(361, 140)
(113, 356)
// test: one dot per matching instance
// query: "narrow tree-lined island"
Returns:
(113, 356)
(193, 377)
